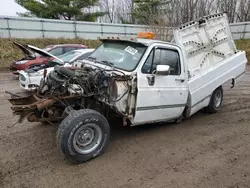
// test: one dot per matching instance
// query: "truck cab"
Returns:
(162, 83)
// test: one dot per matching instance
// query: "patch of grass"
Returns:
(244, 44)
(9, 52)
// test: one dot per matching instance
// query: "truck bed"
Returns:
(212, 57)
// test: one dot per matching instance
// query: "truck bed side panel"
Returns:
(202, 86)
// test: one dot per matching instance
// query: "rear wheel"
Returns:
(83, 135)
(215, 101)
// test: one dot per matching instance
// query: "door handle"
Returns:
(151, 79)
(179, 79)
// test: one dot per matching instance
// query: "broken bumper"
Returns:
(34, 108)
(28, 105)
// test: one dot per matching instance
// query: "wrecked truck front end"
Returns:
(65, 90)
(82, 98)
(104, 81)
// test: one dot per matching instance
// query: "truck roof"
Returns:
(146, 42)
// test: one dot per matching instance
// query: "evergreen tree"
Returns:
(60, 9)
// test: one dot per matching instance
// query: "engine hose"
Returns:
(56, 78)
(67, 72)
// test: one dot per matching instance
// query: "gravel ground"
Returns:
(204, 151)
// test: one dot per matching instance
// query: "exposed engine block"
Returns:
(87, 82)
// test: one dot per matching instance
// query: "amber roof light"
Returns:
(145, 35)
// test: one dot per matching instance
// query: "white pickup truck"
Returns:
(140, 81)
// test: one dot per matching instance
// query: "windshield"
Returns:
(122, 55)
(67, 57)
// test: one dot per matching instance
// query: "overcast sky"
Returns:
(9, 8)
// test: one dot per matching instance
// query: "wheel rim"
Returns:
(217, 98)
(87, 138)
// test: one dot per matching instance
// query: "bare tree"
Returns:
(175, 12)
(109, 6)
(171, 13)
(228, 6)
(243, 13)
(117, 10)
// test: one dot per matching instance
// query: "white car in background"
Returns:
(30, 78)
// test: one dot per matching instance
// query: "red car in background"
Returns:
(33, 59)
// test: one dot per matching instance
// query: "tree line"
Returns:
(151, 12)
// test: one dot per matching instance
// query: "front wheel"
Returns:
(83, 135)
(215, 101)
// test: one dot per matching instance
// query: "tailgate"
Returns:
(206, 42)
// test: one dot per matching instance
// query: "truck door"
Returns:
(161, 97)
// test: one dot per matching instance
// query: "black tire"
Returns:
(214, 104)
(69, 129)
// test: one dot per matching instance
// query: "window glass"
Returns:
(56, 51)
(147, 66)
(84, 56)
(68, 49)
(163, 57)
(121, 54)
(67, 57)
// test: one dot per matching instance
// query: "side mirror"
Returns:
(162, 70)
